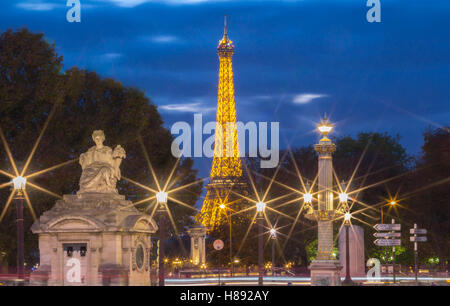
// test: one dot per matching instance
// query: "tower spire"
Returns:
(225, 26)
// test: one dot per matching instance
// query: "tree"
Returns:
(430, 196)
(31, 86)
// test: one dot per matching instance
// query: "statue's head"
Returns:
(99, 137)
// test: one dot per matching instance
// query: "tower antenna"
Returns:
(225, 27)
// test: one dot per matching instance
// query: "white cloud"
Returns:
(134, 3)
(187, 108)
(37, 6)
(164, 39)
(306, 98)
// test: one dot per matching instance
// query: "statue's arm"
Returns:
(82, 160)
(118, 155)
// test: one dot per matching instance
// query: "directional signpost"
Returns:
(417, 231)
(387, 235)
(388, 242)
(387, 239)
(388, 227)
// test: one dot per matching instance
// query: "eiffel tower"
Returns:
(226, 179)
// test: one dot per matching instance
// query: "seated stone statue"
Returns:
(100, 166)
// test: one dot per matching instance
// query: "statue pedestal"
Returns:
(325, 273)
(93, 239)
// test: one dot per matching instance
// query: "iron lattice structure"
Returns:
(226, 171)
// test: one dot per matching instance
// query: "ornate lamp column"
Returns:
(325, 269)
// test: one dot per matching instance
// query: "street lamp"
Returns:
(19, 184)
(348, 279)
(273, 235)
(222, 206)
(161, 201)
(343, 197)
(260, 207)
(391, 203)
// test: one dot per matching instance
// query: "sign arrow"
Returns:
(419, 231)
(388, 242)
(386, 235)
(418, 239)
(387, 227)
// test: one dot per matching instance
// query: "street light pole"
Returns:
(231, 247)
(260, 206)
(19, 187)
(20, 246)
(348, 279)
(161, 199)
(273, 235)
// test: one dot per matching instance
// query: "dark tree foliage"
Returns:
(430, 194)
(31, 86)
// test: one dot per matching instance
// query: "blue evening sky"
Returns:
(294, 60)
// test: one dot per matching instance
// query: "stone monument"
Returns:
(356, 246)
(198, 249)
(94, 237)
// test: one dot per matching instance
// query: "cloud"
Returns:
(187, 108)
(305, 98)
(37, 6)
(134, 3)
(164, 39)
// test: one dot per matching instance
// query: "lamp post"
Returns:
(391, 203)
(348, 279)
(222, 206)
(161, 201)
(273, 235)
(260, 207)
(19, 187)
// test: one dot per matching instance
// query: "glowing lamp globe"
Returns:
(347, 216)
(19, 183)
(325, 127)
(307, 197)
(343, 197)
(273, 232)
(260, 206)
(161, 197)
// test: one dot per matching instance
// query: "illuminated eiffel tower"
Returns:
(226, 171)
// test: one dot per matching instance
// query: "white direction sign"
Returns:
(387, 227)
(388, 242)
(418, 239)
(418, 231)
(387, 235)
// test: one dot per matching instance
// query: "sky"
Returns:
(293, 62)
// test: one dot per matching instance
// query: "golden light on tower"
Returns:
(226, 170)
